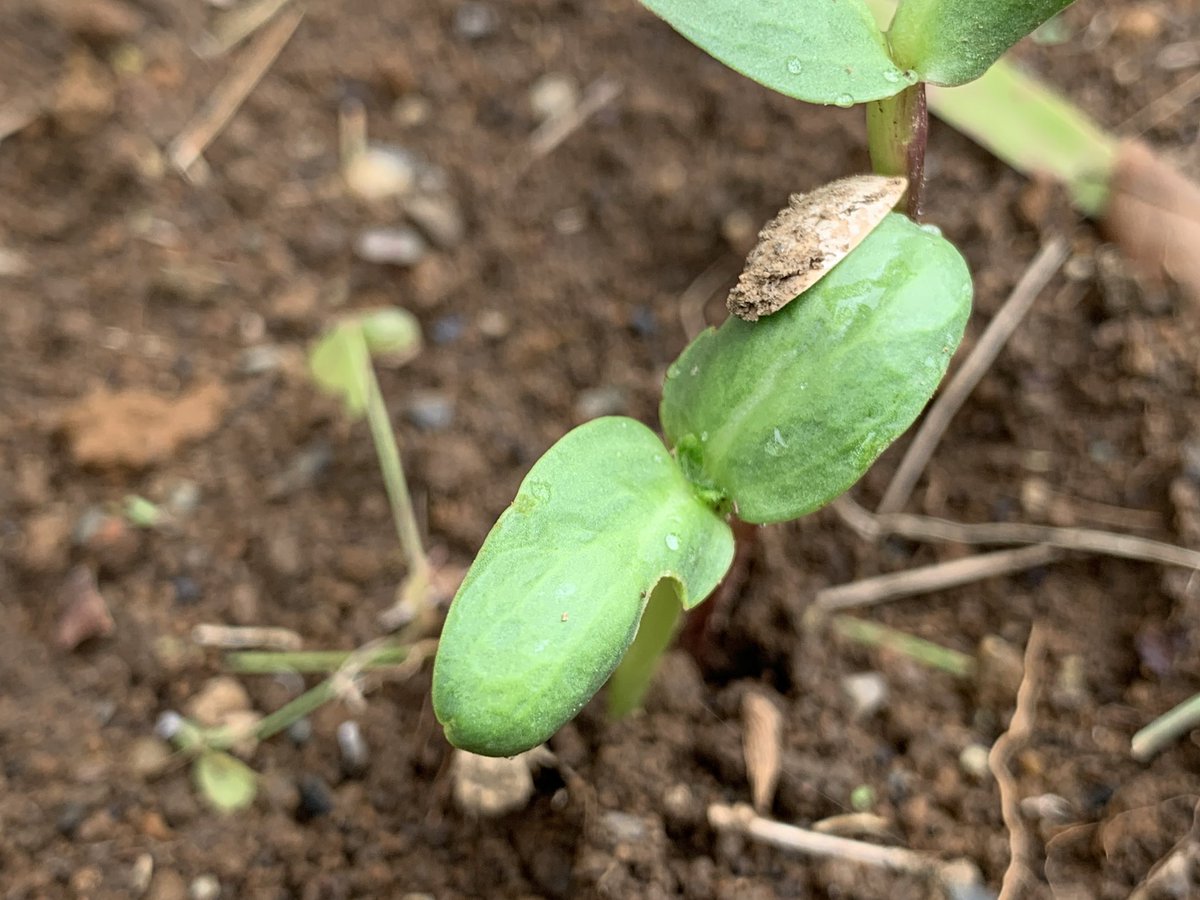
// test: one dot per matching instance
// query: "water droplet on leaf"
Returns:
(795, 65)
(672, 542)
(844, 100)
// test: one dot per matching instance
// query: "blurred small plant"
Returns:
(341, 363)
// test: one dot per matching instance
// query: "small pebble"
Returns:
(1183, 55)
(300, 732)
(493, 324)
(141, 873)
(623, 827)
(204, 887)
(391, 246)
(183, 498)
(644, 322)
(169, 724)
(84, 613)
(186, 590)
(447, 329)
(381, 172)
(962, 880)
(315, 799)
(974, 761)
(353, 747)
(488, 786)
(867, 693)
(553, 95)
(217, 698)
(430, 411)
(606, 400)
(70, 818)
(475, 21)
(148, 757)
(259, 360)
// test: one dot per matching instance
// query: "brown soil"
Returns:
(121, 277)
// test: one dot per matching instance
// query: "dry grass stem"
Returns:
(238, 24)
(762, 737)
(1163, 108)
(741, 819)
(1084, 540)
(1022, 851)
(554, 131)
(249, 637)
(1048, 261)
(233, 90)
(939, 576)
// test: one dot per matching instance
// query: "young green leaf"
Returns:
(554, 597)
(951, 42)
(391, 331)
(814, 50)
(339, 364)
(227, 783)
(784, 414)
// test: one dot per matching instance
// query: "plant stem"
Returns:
(266, 662)
(925, 652)
(417, 579)
(897, 132)
(628, 683)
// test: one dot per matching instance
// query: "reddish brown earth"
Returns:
(118, 275)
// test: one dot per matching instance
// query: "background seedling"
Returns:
(341, 364)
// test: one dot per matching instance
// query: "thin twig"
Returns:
(229, 637)
(238, 24)
(1170, 726)
(547, 137)
(233, 90)
(1162, 108)
(1021, 848)
(1003, 324)
(741, 819)
(939, 576)
(1083, 540)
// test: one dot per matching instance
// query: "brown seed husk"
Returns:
(808, 238)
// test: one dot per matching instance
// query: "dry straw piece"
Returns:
(762, 740)
(812, 235)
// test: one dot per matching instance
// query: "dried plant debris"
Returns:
(813, 234)
(84, 614)
(762, 739)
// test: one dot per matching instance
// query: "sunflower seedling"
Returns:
(341, 364)
(845, 321)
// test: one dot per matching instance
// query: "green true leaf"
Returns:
(339, 364)
(227, 783)
(782, 415)
(554, 597)
(952, 42)
(814, 50)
